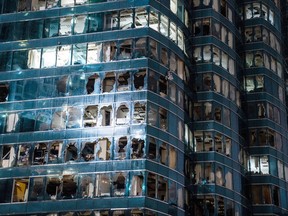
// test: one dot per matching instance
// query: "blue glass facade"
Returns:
(169, 107)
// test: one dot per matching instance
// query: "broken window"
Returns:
(63, 55)
(103, 149)
(4, 91)
(111, 20)
(125, 50)
(23, 158)
(141, 17)
(53, 187)
(122, 116)
(139, 79)
(109, 51)
(80, 24)
(69, 187)
(126, 19)
(8, 156)
(71, 153)
(106, 115)
(163, 85)
(172, 157)
(137, 148)
(88, 151)
(34, 58)
(86, 186)
(58, 120)
(36, 193)
(162, 188)
(139, 114)
(65, 26)
(20, 190)
(208, 141)
(136, 185)
(152, 149)
(123, 81)
(153, 45)
(206, 26)
(164, 22)
(93, 84)
(48, 57)
(163, 152)
(40, 155)
(94, 51)
(140, 49)
(152, 115)
(79, 54)
(217, 114)
(121, 148)
(55, 152)
(103, 183)
(151, 185)
(62, 85)
(173, 32)
(164, 56)
(108, 82)
(90, 116)
(74, 119)
(119, 183)
(163, 118)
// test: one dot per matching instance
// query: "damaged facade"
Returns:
(80, 123)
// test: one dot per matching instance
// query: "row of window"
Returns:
(220, 6)
(262, 59)
(81, 24)
(261, 110)
(265, 164)
(210, 173)
(260, 10)
(207, 111)
(73, 186)
(210, 53)
(119, 148)
(260, 33)
(13, 6)
(212, 141)
(265, 137)
(208, 26)
(213, 82)
(260, 83)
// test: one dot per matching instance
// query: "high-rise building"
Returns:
(143, 107)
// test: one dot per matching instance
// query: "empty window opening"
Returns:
(90, 116)
(122, 116)
(162, 188)
(121, 148)
(163, 153)
(23, 155)
(123, 81)
(109, 51)
(136, 185)
(103, 185)
(55, 152)
(71, 153)
(108, 82)
(103, 149)
(139, 115)
(163, 85)
(163, 118)
(8, 156)
(139, 79)
(125, 50)
(105, 114)
(59, 120)
(119, 182)
(20, 190)
(4, 91)
(151, 185)
(79, 24)
(65, 26)
(137, 148)
(40, 155)
(88, 151)
(37, 191)
(140, 49)
(94, 51)
(91, 84)
(86, 187)
(53, 187)
(69, 187)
